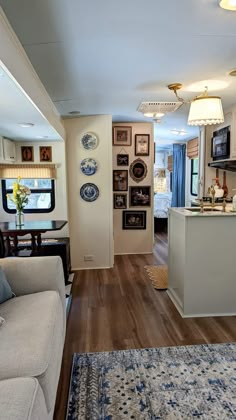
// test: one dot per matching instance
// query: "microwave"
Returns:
(220, 144)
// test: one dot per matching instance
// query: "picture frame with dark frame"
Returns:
(142, 144)
(119, 201)
(122, 159)
(120, 180)
(138, 170)
(134, 219)
(140, 196)
(122, 135)
(27, 153)
(45, 153)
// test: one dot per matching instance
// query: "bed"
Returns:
(162, 202)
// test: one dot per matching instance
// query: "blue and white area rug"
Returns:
(191, 382)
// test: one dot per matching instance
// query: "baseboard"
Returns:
(90, 268)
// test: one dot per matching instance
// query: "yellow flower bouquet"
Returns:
(20, 198)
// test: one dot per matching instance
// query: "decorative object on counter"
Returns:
(139, 196)
(89, 141)
(20, 197)
(214, 189)
(89, 192)
(120, 201)
(122, 160)
(122, 136)
(134, 219)
(88, 166)
(234, 201)
(27, 153)
(217, 178)
(120, 180)
(224, 186)
(142, 144)
(45, 153)
(158, 276)
(138, 170)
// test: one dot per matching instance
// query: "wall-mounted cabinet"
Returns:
(7, 150)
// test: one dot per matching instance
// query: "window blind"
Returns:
(192, 148)
(42, 171)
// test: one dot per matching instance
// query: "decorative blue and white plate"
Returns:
(88, 166)
(89, 192)
(89, 141)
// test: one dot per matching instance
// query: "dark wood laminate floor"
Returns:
(118, 309)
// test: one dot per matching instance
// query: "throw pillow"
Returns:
(5, 289)
(2, 320)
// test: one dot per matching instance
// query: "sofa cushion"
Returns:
(31, 340)
(22, 399)
(5, 288)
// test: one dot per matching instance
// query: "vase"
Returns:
(19, 218)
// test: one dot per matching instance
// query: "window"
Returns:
(41, 199)
(194, 177)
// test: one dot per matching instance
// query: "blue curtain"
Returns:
(178, 176)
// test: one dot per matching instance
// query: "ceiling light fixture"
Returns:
(154, 114)
(178, 132)
(228, 5)
(204, 109)
(26, 125)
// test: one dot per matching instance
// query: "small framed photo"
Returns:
(27, 153)
(134, 219)
(45, 153)
(138, 170)
(142, 142)
(122, 160)
(122, 136)
(139, 196)
(120, 180)
(120, 201)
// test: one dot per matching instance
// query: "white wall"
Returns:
(91, 224)
(60, 211)
(136, 241)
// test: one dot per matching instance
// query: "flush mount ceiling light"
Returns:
(178, 132)
(157, 110)
(228, 5)
(204, 109)
(26, 125)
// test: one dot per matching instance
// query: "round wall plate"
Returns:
(89, 192)
(88, 166)
(89, 141)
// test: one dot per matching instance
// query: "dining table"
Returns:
(34, 228)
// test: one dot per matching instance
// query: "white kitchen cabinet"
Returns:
(9, 150)
(1, 150)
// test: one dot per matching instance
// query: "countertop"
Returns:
(193, 211)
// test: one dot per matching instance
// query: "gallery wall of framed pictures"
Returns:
(133, 186)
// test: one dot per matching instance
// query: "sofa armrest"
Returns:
(34, 274)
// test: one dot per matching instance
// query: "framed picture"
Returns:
(134, 219)
(122, 160)
(122, 136)
(27, 153)
(120, 180)
(120, 201)
(139, 196)
(138, 170)
(142, 142)
(45, 153)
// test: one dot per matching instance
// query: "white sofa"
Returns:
(32, 338)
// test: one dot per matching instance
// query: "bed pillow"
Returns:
(5, 289)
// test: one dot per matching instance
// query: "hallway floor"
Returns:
(114, 309)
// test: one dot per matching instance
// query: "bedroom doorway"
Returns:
(162, 187)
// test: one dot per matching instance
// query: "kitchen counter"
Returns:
(208, 211)
(201, 255)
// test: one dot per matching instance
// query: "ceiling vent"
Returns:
(158, 107)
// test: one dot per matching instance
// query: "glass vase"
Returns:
(19, 218)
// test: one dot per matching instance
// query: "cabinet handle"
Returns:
(12, 157)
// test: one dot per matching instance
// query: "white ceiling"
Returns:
(106, 57)
(16, 108)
